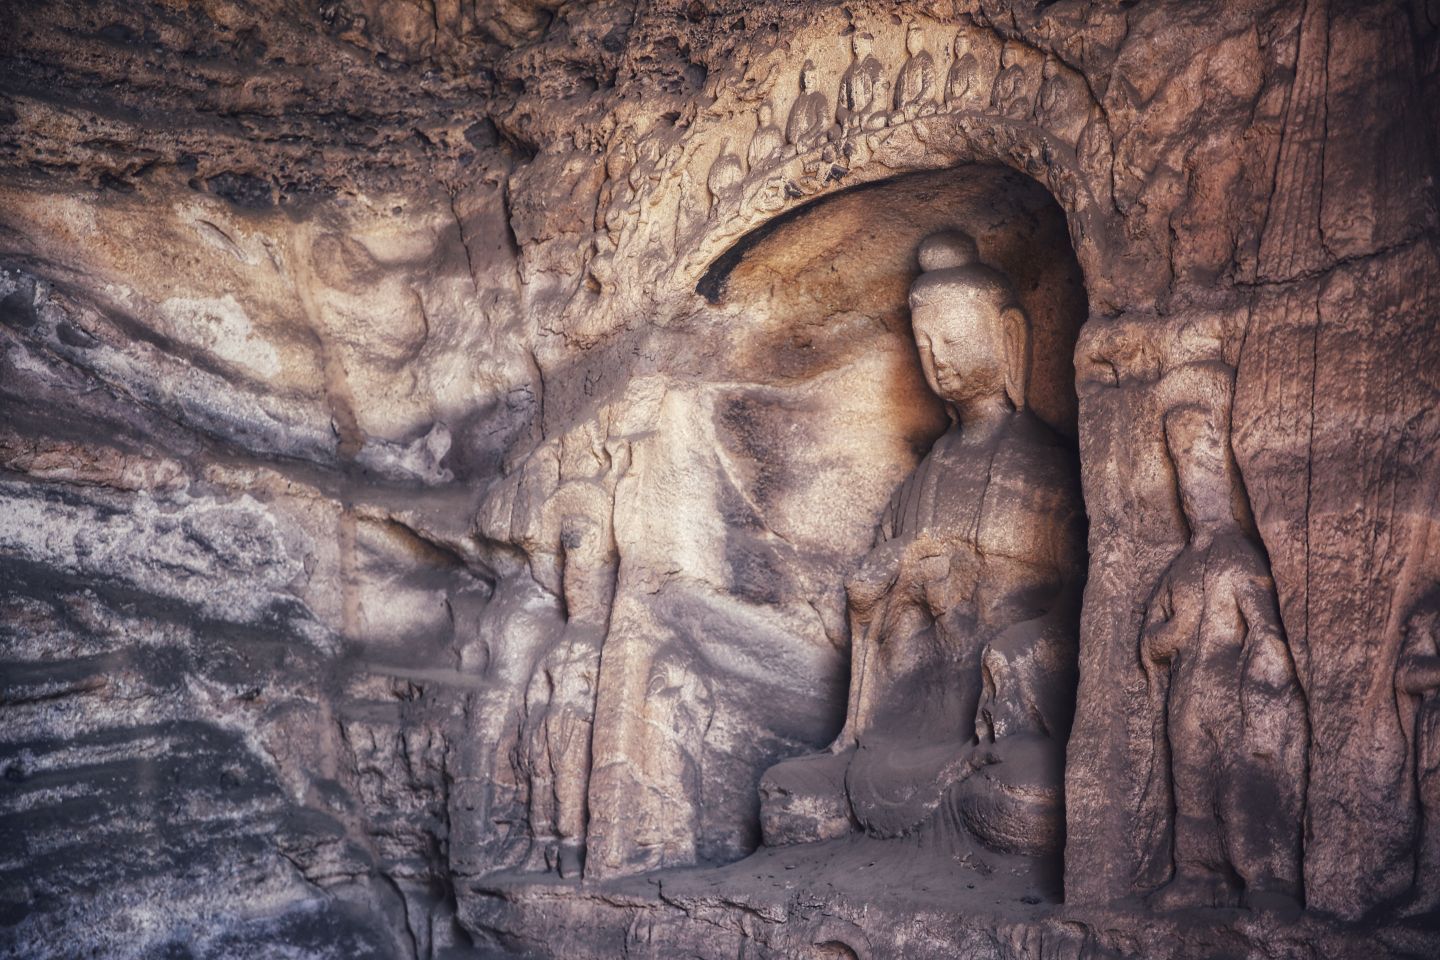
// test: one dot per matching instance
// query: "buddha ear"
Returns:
(1016, 332)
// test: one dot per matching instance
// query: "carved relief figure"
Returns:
(964, 613)
(1230, 714)
(1061, 105)
(858, 98)
(1417, 680)
(622, 179)
(615, 204)
(768, 142)
(963, 89)
(1093, 150)
(915, 87)
(560, 703)
(656, 154)
(1051, 102)
(808, 124)
(724, 180)
(678, 701)
(1008, 95)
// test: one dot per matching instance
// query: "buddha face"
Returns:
(807, 77)
(961, 332)
(915, 41)
(861, 45)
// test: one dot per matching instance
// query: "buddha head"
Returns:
(861, 43)
(962, 44)
(973, 336)
(809, 83)
(915, 40)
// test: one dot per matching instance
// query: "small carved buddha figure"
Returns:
(1094, 150)
(1060, 104)
(808, 123)
(768, 142)
(1008, 95)
(963, 615)
(724, 181)
(962, 84)
(1228, 710)
(858, 87)
(1050, 101)
(915, 87)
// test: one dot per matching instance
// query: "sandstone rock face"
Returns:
(493, 478)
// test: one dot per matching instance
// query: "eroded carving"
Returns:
(963, 615)
(726, 176)
(915, 86)
(1009, 95)
(560, 701)
(964, 89)
(768, 143)
(1094, 151)
(614, 205)
(1417, 682)
(1231, 738)
(1060, 104)
(808, 124)
(861, 88)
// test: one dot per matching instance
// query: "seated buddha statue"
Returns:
(964, 613)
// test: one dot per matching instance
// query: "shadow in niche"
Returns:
(711, 286)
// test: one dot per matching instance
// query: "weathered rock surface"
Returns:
(436, 437)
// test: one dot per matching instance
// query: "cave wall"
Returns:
(318, 323)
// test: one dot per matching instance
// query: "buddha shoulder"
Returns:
(1030, 453)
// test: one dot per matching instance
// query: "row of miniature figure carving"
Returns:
(866, 100)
